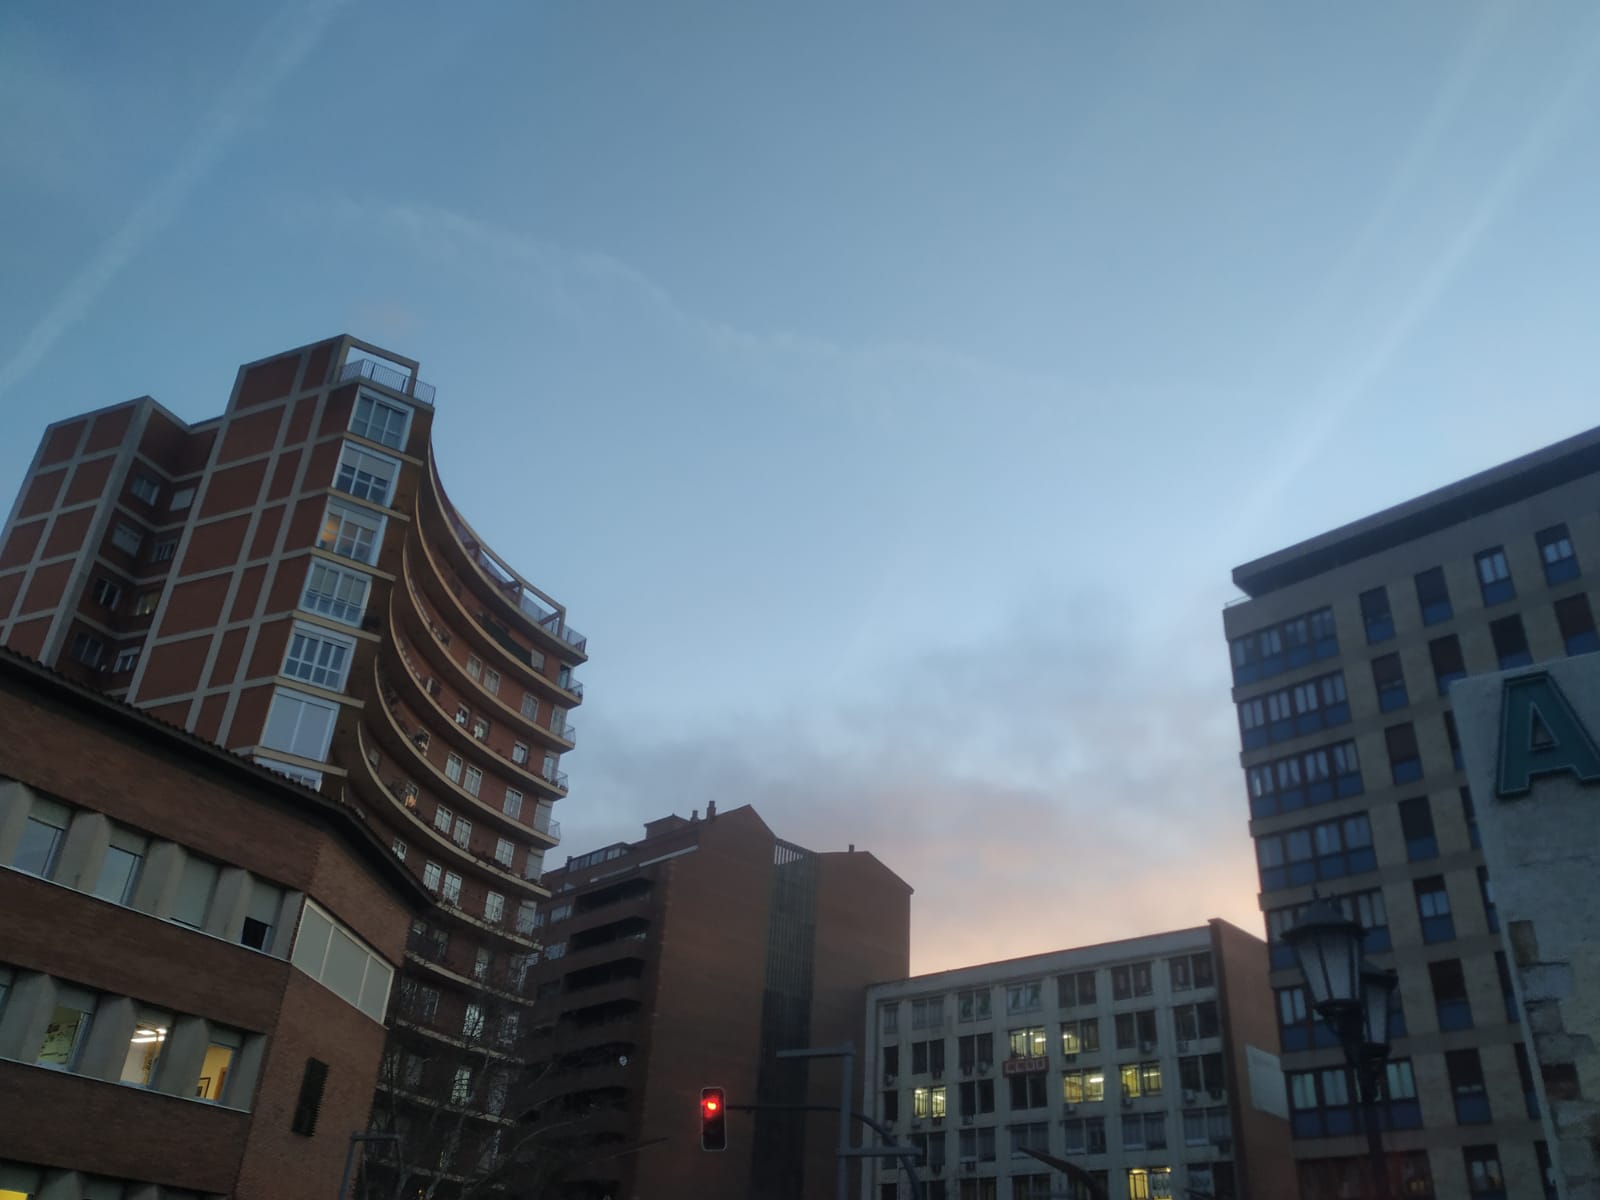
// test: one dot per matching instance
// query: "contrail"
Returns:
(281, 46)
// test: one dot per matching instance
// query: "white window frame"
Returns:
(126, 538)
(453, 764)
(342, 604)
(504, 850)
(451, 888)
(126, 660)
(371, 476)
(145, 488)
(443, 819)
(181, 499)
(307, 636)
(491, 681)
(512, 805)
(461, 835)
(377, 975)
(394, 407)
(344, 523)
(472, 781)
(283, 697)
(494, 906)
(165, 549)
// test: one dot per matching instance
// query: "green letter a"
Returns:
(1540, 734)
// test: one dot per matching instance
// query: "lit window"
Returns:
(145, 488)
(365, 475)
(380, 420)
(144, 1048)
(335, 592)
(351, 532)
(67, 1028)
(317, 657)
(217, 1066)
(928, 1102)
(127, 539)
(146, 603)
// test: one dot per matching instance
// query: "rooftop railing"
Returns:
(395, 381)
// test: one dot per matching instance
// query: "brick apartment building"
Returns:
(1343, 656)
(195, 959)
(1150, 1063)
(688, 959)
(291, 581)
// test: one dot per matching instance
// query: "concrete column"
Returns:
(82, 850)
(15, 801)
(229, 904)
(26, 1016)
(246, 1072)
(110, 1034)
(288, 921)
(182, 1057)
(158, 881)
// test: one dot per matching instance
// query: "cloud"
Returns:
(1058, 786)
(283, 44)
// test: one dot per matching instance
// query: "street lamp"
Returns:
(1353, 998)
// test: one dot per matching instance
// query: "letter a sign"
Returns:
(1541, 734)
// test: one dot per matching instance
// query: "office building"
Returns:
(291, 580)
(686, 960)
(195, 959)
(1151, 1064)
(1343, 654)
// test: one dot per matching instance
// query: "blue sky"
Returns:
(887, 389)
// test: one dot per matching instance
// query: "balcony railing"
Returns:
(550, 827)
(395, 381)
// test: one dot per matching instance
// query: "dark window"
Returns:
(1494, 576)
(891, 1106)
(1530, 1094)
(309, 1104)
(1433, 597)
(1375, 613)
(1503, 967)
(1450, 994)
(1483, 1172)
(1510, 642)
(1454, 739)
(1448, 665)
(1555, 551)
(1577, 624)
(1466, 1084)
(1433, 907)
(1390, 681)
(1416, 822)
(1405, 760)
(1028, 1091)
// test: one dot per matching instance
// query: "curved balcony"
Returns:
(433, 717)
(415, 829)
(531, 608)
(503, 930)
(396, 734)
(500, 979)
(460, 617)
(422, 635)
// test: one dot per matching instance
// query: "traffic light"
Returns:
(713, 1120)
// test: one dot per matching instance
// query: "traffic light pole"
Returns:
(893, 1150)
(847, 1052)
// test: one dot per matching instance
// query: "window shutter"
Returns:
(309, 1105)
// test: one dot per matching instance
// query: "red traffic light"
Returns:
(713, 1120)
(710, 1105)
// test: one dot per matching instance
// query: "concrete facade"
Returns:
(1344, 650)
(687, 960)
(1541, 840)
(1151, 1063)
(160, 1004)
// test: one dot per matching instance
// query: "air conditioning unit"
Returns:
(1147, 1047)
(1127, 1102)
(1190, 1096)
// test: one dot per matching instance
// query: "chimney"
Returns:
(694, 814)
(711, 810)
(852, 847)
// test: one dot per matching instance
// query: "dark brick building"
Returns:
(196, 956)
(689, 959)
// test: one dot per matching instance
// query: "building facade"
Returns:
(688, 959)
(194, 964)
(1150, 1063)
(1343, 654)
(291, 580)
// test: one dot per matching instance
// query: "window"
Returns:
(1029, 1091)
(119, 869)
(473, 781)
(975, 1052)
(1199, 1073)
(1376, 616)
(1080, 1037)
(87, 649)
(145, 488)
(351, 532)
(1130, 980)
(1329, 850)
(452, 768)
(1191, 1021)
(1034, 1135)
(1087, 1086)
(1390, 680)
(451, 891)
(1284, 646)
(399, 849)
(1494, 576)
(299, 724)
(463, 832)
(1483, 1171)
(164, 550)
(1510, 642)
(463, 715)
(443, 819)
(491, 682)
(1024, 997)
(335, 592)
(1466, 1085)
(1149, 1183)
(42, 835)
(365, 475)
(1576, 622)
(1450, 994)
(1555, 551)
(181, 499)
(1136, 1030)
(336, 958)
(503, 851)
(1433, 597)
(1141, 1079)
(928, 1013)
(1190, 971)
(1028, 1043)
(67, 1029)
(519, 753)
(380, 420)
(145, 603)
(127, 659)
(530, 706)
(197, 883)
(127, 539)
(215, 1068)
(1448, 665)
(977, 1145)
(105, 593)
(480, 727)
(318, 657)
(494, 907)
(928, 1102)
(430, 876)
(1072, 990)
(149, 1038)
(1405, 760)
(1433, 907)
(513, 804)
(973, 1006)
(1416, 823)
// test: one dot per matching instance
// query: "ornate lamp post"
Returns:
(1352, 997)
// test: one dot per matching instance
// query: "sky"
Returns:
(887, 390)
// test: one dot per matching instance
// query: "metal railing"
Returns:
(559, 778)
(550, 827)
(395, 381)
